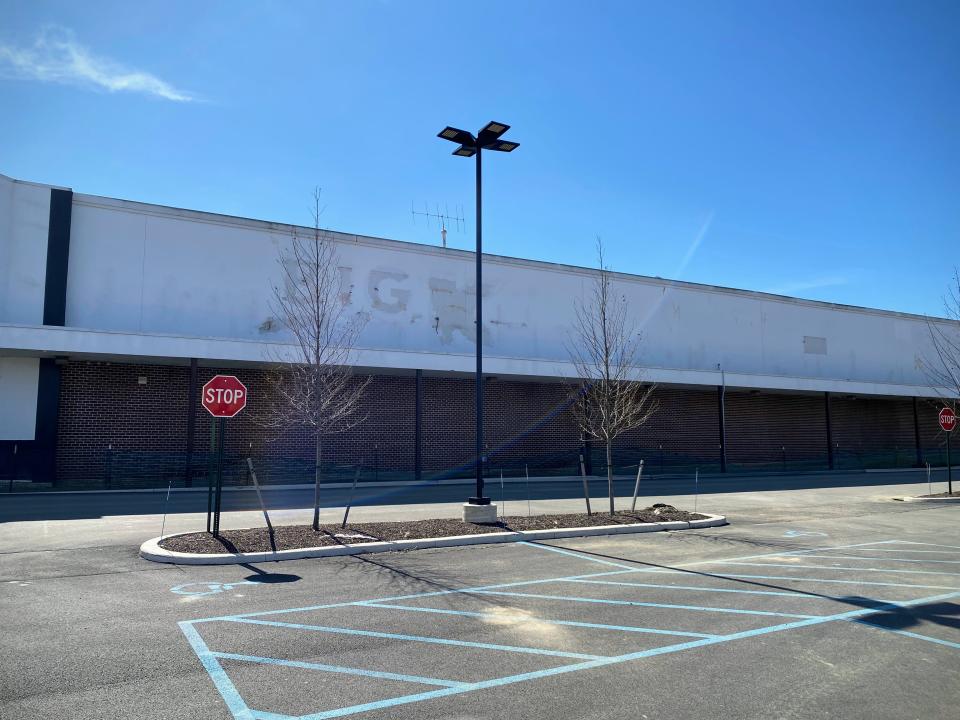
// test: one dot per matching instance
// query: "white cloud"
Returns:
(56, 56)
(809, 284)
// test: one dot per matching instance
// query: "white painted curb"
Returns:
(933, 500)
(151, 550)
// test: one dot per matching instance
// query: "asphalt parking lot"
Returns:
(849, 611)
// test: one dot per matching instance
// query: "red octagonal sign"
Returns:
(948, 419)
(224, 396)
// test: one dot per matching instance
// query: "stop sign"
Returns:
(224, 396)
(948, 419)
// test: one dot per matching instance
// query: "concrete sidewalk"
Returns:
(131, 530)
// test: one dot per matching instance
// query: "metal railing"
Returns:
(114, 469)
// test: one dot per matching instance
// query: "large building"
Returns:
(113, 313)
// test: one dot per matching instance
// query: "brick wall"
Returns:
(103, 405)
(873, 432)
(683, 433)
(769, 431)
(522, 420)
(933, 440)
(145, 426)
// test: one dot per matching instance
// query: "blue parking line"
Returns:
(587, 556)
(907, 633)
(624, 569)
(241, 711)
(634, 603)
(896, 550)
(914, 542)
(511, 679)
(224, 685)
(884, 559)
(824, 580)
(572, 623)
(783, 566)
(807, 596)
(850, 614)
(865, 546)
(367, 707)
(420, 638)
(339, 669)
(582, 556)
(411, 596)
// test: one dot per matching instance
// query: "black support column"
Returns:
(826, 411)
(48, 415)
(54, 313)
(191, 423)
(721, 391)
(418, 427)
(916, 433)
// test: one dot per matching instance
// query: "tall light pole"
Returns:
(487, 139)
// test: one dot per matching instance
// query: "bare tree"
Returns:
(313, 386)
(941, 364)
(604, 348)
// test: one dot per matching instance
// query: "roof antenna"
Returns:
(442, 219)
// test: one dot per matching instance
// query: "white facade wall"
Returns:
(152, 281)
(24, 215)
(18, 395)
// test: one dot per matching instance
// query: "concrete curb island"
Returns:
(151, 550)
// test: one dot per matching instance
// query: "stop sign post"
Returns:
(948, 421)
(223, 396)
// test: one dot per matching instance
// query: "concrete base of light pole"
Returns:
(480, 514)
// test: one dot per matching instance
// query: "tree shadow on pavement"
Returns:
(943, 613)
(268, 578)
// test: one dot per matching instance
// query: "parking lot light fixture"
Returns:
(487, 139)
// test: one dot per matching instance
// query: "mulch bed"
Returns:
(943, 494)
(291, 537)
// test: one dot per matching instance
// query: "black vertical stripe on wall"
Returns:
(721, 412)
(826, 411)
(191, 423)
(58, 257)
(916, 434)
(48, 418)
(418, 427)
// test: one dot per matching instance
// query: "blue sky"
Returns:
(806, 148)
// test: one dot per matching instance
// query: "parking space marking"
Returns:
(913, 542)
(432, 593)
(884, 559)
(907, 633)
(862, 615)
(633, 568)
(419, 638)
(223, 683)
(820, 580)
(836, 567)
(912, 550)
(563, 669)
(634, 603)
(570, 623)
(338, 669)
(580, 556)
(774, 593)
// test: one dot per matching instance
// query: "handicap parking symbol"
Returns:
(804, 533)
(198, 589)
